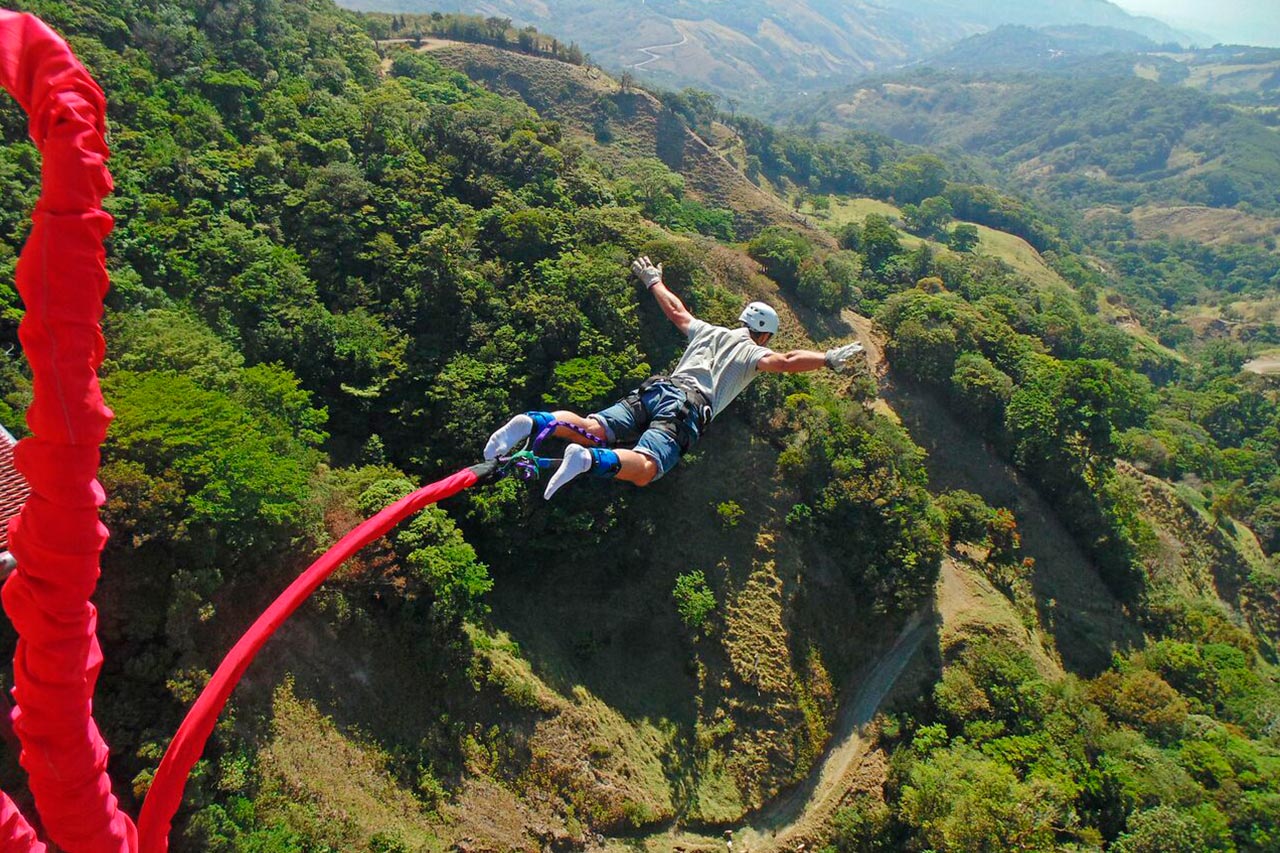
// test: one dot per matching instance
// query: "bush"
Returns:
(968, 516)
(1161, 830)
(694, 601)
(730, 513)
(861, 827)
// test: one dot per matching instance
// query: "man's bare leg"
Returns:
(636, 467)
(591, 425)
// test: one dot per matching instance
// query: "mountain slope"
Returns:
(1245, 75)
(756, 50)
(1085, 139)
(579, 97)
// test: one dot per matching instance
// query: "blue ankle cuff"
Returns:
(604, 463)
(541, 420)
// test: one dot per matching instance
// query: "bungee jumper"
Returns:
(642, 436)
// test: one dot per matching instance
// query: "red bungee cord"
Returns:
(58, 536)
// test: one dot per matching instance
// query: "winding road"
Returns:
(684, 39)
(812, 803)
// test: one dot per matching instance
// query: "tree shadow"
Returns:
(669, 140)
(1086, 622)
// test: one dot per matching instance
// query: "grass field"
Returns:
(1014, 251)
(1209, 225)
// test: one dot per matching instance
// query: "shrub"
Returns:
(694, 600)
(968, 516)
(730, 513)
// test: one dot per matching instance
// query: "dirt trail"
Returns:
(808, 807)
(811, 804)
(1267, 365)
(654, 57)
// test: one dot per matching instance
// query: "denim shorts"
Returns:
(664, 401)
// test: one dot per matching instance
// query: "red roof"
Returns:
(13, 488)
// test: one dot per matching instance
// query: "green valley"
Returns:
(1015, 585)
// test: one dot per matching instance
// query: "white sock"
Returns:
(512, 433)
(577, 461)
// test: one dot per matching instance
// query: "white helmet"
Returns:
(759, 317)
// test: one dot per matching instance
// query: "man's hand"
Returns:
(648, 274)
(841, 359)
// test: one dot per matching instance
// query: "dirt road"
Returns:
(812, 804)
(808, 807)
(653, 57)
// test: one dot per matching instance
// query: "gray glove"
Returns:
(841, 359)
(648, 274)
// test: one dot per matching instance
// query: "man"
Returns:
(667, 415)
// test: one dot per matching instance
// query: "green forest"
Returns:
(1087, 134)
(339, 262)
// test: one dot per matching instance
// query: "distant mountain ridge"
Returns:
(1247, 73)
(1084, 135)
(1013, 47)
(753, 49)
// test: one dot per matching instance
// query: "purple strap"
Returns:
(527, 469)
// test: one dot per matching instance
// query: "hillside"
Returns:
(1081, 141)
(638, 126)
(760, 51)
(1014, 48)
(1246, 75)
(1016, 580)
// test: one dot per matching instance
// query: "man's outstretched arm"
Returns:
(805, 360)
(795, 361)
(651, 277)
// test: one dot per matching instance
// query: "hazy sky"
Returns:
(1237, 21)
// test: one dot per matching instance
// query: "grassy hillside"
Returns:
(1080, 140)
(619, 126)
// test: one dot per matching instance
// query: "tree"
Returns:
(879, 241)
(694, 601)
(781, 251)
(1142, 699)
(929, 218)
(1162, 829)
(816, 289)
(981, 390)
(959, 800)
(968, 516)
(963, 237)
(649, 183)
(918, 178)
(236, 474)
(439, 558)
(925, 353)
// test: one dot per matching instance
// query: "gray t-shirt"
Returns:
(722, 361)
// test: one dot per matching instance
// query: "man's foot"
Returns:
(577, 461)
(512, 433)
